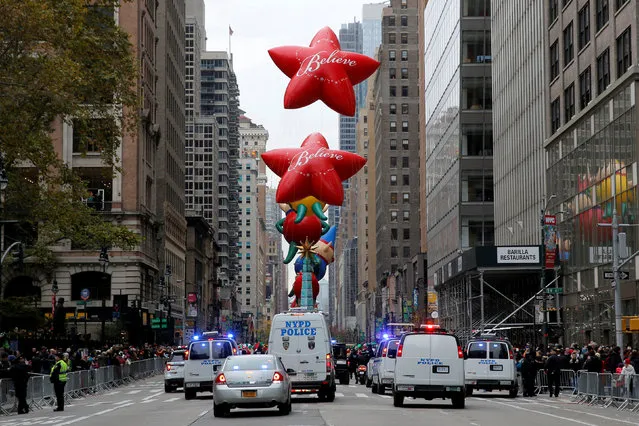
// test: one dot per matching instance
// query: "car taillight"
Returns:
(168, 367)
(186, 355)
(220, 379)
(277, 377)
(460, 352)
(510, 354)
(329, 364)
(400, 349)
(234, 351)
(384, 353)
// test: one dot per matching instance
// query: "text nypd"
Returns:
(298, 328)
(517, 254)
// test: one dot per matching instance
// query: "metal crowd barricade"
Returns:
(80, 384)
(541, 382)
(618, 390)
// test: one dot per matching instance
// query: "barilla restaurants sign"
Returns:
(518, 254)
(298, 328)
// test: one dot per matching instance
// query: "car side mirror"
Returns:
(291, 372)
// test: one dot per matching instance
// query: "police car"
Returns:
(429, 364)
(384, 364)
(490, 365)
(205, 359)
(301, 339)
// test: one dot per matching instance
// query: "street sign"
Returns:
(544, 296)
(81, 303)
(85, 294)
(159, 323)
(555, 290)
(623, 275)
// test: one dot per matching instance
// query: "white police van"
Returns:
(490, 365)
(429, 364)
(204, 359)
(384, 365)
(301, 339)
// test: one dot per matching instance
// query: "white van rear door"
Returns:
(447, 367)
(414, 366)
(477, 362)
(198, 367)
(500, 365)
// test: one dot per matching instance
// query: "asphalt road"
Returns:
(145, 403)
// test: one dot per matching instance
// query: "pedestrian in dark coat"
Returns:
(19, 373)
(528, 374)
(553, 372)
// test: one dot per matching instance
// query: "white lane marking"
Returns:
(112, 393)
(583, 412)
(339, 394)
(361, 395)
(385, 396)
(352, 386)
(122, 402)
(444, 412)
(474, 424)
(203, 413)
(172, 399)
(151, 396)
(98, 403)
(517, 407)
(148, 400)
(99, 413)
(133, 392)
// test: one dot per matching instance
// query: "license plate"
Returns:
(192, 385)
(405, 388)
(441, 369)
(496, 368)
(341, 362)
(309, 375)
(453, 389)
(249, 394)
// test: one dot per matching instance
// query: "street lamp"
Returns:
(542, 279)
(104, 261)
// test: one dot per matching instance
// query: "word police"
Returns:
(429, 361)
(298, 328)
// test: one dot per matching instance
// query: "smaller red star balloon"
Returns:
(312, 170)
(322, 71)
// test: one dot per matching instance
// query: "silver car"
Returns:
(253, 381)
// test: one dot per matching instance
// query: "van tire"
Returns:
(513, 392)
(168, 389)
(374, 387)
(459, 400)
(219, 410)
(398, 400)
(189, 394)
(330, 396)
(469, 390)
(381, 389)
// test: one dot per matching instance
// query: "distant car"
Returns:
(490, 365)
(384, 366)
(341, 363)
(204, 360)
(251, 381)
(174, 371)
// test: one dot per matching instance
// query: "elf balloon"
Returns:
(312, 170)
(323, 72)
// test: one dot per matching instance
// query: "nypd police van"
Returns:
(301, 339)
(490, 365)
(204, 359)
(429, 364)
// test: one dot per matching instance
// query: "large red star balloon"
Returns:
(312, 170)
(322, 71)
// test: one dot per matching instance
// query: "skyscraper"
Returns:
(371, 37)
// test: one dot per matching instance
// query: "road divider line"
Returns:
(361, 395)
(385, 396)
(122, 402)
(583, 412)
(148, 400)
(172, 399)
(339, 394)
(99, 413)
(133, 392)
(519, 407)
(151, 396)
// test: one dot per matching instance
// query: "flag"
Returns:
(230, 31)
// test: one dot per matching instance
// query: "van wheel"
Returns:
(347, 380)
(343, 380)
(469, 390)
(219, 410)
(513, 392)
(189, 394)
(330, 396)
(398, 400)
(459, 401)
(381, 389)
(168, 389)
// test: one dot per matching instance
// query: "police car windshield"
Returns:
(392, 348)
(200, 351)
(250, 363)
(221, 350)
(498, 351)
(177, 356)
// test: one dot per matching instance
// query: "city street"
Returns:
(146, 403)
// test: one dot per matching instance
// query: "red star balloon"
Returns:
(322, 71)
(312, 170)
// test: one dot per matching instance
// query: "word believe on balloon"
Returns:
(298, 328)
(312, 63)
(305, 156)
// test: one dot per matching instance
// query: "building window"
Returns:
(392, 38)
(392, 108)
(393, 234)
(553, 10)
(406, 215)
(569, 48)
(406, 251)
(620, 3)
(393, 91)
(393, 252)
(602, 13)
(403, 20)
(248, 302)
(393, 144)
(406, 197)
(404, 126)
(404, 74)
(584, 26)
(585, 94)
(391, 55)
(569, 102)
(404, 4)
(555, 115)
(393, 197)
(603, 71)
(623, 52)
(404, 38)
(404, 108)
(391, 21)
(404, 55)
(404, 143)
(392, 73)
(393, 215)
(554, 60)
(404, 91)
(405, 180)
(405, 162)
(248, 289)
(393, 126)
(393, 162)
(393, 180)
(406, 232)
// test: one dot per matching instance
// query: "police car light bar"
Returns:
(385, 336)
